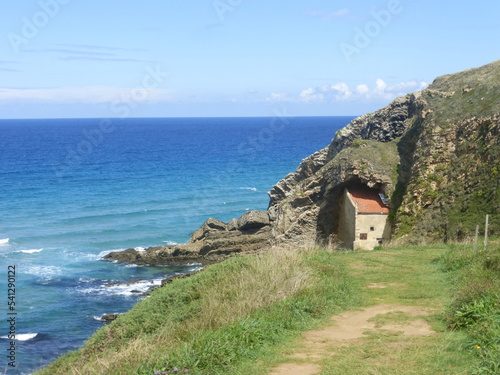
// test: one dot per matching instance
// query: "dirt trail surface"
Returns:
(352, 325)
(403, 293)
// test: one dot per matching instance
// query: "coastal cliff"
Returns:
(434, 154)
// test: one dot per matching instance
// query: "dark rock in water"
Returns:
(126, 283)
(130, 256)
(108, 318)
(213, 242)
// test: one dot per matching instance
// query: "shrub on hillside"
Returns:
(476, 306)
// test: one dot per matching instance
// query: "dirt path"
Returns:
(379, 337)
(352, 325)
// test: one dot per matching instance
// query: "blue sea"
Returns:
(72, 190)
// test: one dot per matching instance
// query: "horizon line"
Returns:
(164, 117)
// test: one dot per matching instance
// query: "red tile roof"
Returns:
(367, 200)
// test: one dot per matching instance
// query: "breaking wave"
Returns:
(248, 188)
(22, 336)
(32, 251)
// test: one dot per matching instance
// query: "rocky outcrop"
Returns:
(108, 318)
(212, 242)
(306, 169)
(305, 204)
(385, 125)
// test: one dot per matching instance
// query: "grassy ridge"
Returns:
(217, 319)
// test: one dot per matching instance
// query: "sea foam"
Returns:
(4, 241)
(32, 251)
(124, 289)
(170, 243)
(22, 336)
(248, 188)
(100, 319)
(44, 271)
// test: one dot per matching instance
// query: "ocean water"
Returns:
(72, 190)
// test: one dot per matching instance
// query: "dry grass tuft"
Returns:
(262, 281)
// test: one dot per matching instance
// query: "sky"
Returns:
(192, 58)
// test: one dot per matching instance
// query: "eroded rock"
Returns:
(212, 242)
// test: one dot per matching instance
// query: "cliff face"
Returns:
(434, 153)
(306, 203)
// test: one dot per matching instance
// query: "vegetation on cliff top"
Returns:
(382, 158)
(471, 93)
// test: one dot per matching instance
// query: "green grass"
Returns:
(475, 308)
(405, 276)
(395, 355)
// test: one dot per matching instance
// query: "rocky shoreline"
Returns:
(109, 317)
(213, 242)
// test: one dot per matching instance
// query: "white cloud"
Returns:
(385, 91)
(311, 95)
(380, 85)
(279, 97)
(342, 91)
(92, 95)
(362, 89)
(380, 91)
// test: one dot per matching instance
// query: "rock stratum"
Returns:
(435, 154)
(212, 242)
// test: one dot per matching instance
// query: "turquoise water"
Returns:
(74, 190)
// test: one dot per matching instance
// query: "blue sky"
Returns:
(169, 58)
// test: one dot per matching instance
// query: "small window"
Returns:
(372, 229)
(363, 236)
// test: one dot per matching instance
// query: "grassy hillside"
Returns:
(453, 179)
(471, 93)
(245, 316)
(218, 319)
